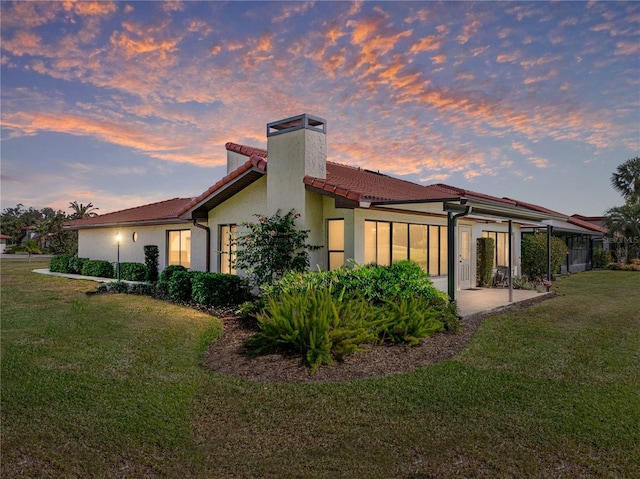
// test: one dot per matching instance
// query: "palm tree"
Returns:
(624, 222)
(626, 180)
(82, 211)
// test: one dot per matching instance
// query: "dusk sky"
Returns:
(126, 103)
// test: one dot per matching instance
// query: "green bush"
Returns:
(376, 283)
(151, 255)
(98, 267)
(407, 320)
(601, 258)
(180, 285)
(484, 263)
(76, 264)
(219, 289)
(534, 255)
(60, 263)
(314, 323)
(133, 271)
(169, 271)
(143, 289)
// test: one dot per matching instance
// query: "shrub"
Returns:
(180, 285)
(601, 258)
(272, 246)
(76, 264)
(98, 267)
(169, 271)
(60, 263)
(143, 289)
(484, 264)
(133, 271)
(407, 320)
(219, 289)
(316, 324)
(151, 255)
(534, 255)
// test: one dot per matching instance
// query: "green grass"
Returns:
(112, 386)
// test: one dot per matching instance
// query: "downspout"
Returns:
(451, 249)
(208, 246)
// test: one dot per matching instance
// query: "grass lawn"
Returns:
(112, 386)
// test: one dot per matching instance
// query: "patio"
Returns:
(484, 300)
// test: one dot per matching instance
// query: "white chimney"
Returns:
(297, 147)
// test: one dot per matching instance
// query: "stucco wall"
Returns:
(100, 243)
(238, 209)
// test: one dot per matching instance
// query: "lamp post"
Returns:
(118, 239)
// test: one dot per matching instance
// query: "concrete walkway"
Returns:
(79, 276)
(486, 300)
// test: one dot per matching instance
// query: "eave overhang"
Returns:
(116, 224)
(200, 209)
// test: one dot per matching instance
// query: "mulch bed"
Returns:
(228, 355)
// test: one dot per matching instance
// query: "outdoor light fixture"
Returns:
(118, 239)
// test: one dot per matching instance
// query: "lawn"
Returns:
(112, 386)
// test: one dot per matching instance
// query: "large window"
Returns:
(501, 254)
(335, 233)
(179, 248)
(387, 242)
(227, 249)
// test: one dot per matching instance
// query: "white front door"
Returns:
(464, 257)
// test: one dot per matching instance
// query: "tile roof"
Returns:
(246, 150)
(578, 221)
(162, 211)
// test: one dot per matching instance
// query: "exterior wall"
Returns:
(100, 243)
(238, 209)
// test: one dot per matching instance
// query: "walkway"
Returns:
(79, 276)
(485, 300)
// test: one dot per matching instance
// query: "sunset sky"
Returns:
(126, 103)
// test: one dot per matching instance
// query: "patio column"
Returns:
(549, 231)
(510, 246)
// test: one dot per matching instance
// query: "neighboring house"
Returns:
(580, 236)
(353, 213)
(3, 242)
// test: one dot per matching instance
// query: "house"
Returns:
(353, 213)
(3, 242)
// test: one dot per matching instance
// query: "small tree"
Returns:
(272, 246)
(32, 247)
(534, 255)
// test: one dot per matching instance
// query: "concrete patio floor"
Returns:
(486, 300)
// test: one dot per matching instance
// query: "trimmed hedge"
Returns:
(484, 262)
(219, 289)
(151, 255)
(60, 264)
(99, 268)
(66, 263)
(133, 271)
(180, 285)
(169, 271)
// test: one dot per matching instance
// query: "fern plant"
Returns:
(407, 320)
(314, 323)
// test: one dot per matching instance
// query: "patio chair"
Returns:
(501, 278)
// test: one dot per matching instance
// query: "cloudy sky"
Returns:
(126, 103)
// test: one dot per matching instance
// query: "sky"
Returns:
(127, 103)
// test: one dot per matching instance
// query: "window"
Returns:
(501, 255)
(335, 233)
(386, 242)
(227, 249)
(179, 248)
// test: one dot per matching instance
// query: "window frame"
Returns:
(332, 251)
(233, 229)
(181, 249)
